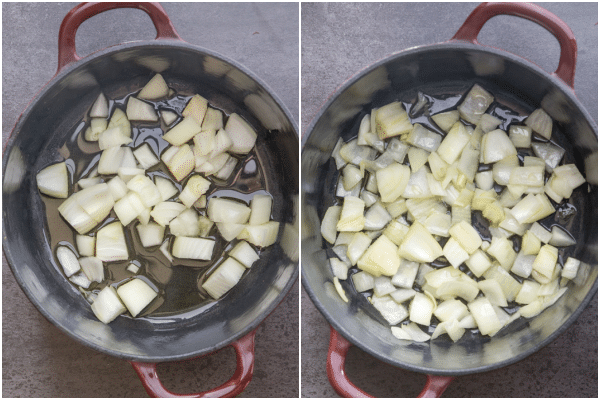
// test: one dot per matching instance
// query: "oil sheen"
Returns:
(178, 283)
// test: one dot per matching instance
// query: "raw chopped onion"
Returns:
(92, 268)
(155, 89)
(100, 107)
(138, 110)
(136, 294)
(111, 244)
(68, 260)
(193, 248)
(225, 277)
(241, 134)
(107, 306)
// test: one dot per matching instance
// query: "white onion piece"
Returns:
(119, 119)
(495, 146)
(100, 107)
(168, 117)
(550, 153)
(241, 134)
(222, 143)
(358, 245)
(87, 182)
(453, 144)
(393, 312)
(226, 210)
(520, 136)
(145, 156)
(151, 234)
(560, 237)
(419, 245)
(96, 201)
(68, 260)
(165, 211)
(193, 248)
(146, 189)
(76, 216)
(226, 170)
(484, 314)
(351, 218)
(155, 89)
(136, 295)
(475, 103)
(339, 289)
(261, 235)
(138, 110)
(246, 255)
(126, 173)
(86, 245)
(166, 188)
(329, 223)
(184, 131)
(454, 253)
(229, 231)
(97, 126)
(196, 108)
(423, 138)
(415, 333)
(446, 119)
(376, 217)
(164, 249)
(111, 244)
(363, 281)
(225, 277)
(421, 309)
(204, 143)
(54, 180)
(381, 258)
(392, 181)
(179, 160)
(540, 122)
(110, 160)
(93, 268)
(112, 138)
(417, 158)
(570, 268)
(213, 119)
(185, 224)
(545, 261)
(134, 269)
(195, 187)
(260, 207)
(128, 208)
(107, 306)
(391, 120)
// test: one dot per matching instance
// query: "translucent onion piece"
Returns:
(138, 110)
(570, 268)
(391, 120)
(151, 234)
(193, 248)
(195, 187)
(145, 156)
(226, 210)
(86, 245)
(520, 136)
(381, 258)
(466, 235)
(97, 126)
(120, 119)
(495, 146)
(166, 188)
(454, 253)
(146, 189)
(485, 316)
(545, 261)
(339, 289)
(475, 103)
(329, 223)
(112, 138)
(260, 207)
(454, 143)
(213, 119)
(185, 224)
(225, 277)
(136, 294)
(421, 309)
(54, 180)
(241, 134)
(93, 268)
(416, 334)
(540, 123)
(446, 119)
(100, 107)
(391, 311)
(423, 138)
(155, 89)
(111, 244)
(560, 237)
(261, 235)
(419, 245)
(196, 108)
(351, 218)
(168, 117)
(68, 260)
(406, 274)
(184, 131)
(392, 181)
(246, 255)
(107, 306)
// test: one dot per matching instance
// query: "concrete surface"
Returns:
(38, 360)
(338, 39)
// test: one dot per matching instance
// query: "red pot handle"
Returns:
(244, 350)
(336, 360)
(75, 17)
(561, 31)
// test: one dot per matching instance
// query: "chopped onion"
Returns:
(195, 187)
(111, 244)
(453, 144)
(100, 107)
(196, 108)
(446, 120)
(551, 154)
(351, 217)
(381, 258)
(182, 132)
(495, 146)
(225, 277)
(97, 126)
(423, 138)
(358, 245)
(76, 216)
(520, 136)
(570, 268)
(226, 210)
(261, 235)
(126, 173)
(545, 261)
(92, 268)
(329, 223)
(391, 120)
(193, 248)
(146, 189)
(138, 110)
(166, 188)
(112, 138)
(260, 207)
(454, 253)
(54, 180)
(151, 234)
(393, 312)
(213, 119)
(165, 211)
(107, 306)
(540, 123)
(363, 281)
(246, 255)
(86, 245)
(179, 160)
(145, 156)
(560, 237)
(155, 89)
(339, 289)
(68, 260)
(475, 104)
(241, 134)
(168, 117)
(119, 119)
(392, 181)
(136, 294)
(129, 207)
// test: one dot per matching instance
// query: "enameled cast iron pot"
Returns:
(43, 128)
(448, 68)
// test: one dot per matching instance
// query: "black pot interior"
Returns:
(447, 70)
(57, 112)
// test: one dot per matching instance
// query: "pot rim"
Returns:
(449, 45)
(62, 73)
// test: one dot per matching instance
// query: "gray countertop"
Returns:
(338, 40)
(38, 360)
